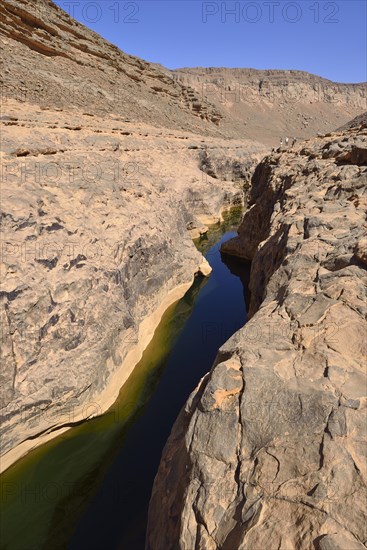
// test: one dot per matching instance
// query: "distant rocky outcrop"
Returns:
(268, 104)
(270, 449)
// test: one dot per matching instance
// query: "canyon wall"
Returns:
(270, 449)
(97, 223)
(269, 104)
(109, 166)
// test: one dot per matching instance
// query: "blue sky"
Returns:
(322, 37)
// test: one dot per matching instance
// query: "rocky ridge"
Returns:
(267, 104)
(270, 449)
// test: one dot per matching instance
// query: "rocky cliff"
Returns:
(270, 449)
(269, 104)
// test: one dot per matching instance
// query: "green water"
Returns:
(34, 491)
(231, 220)
(60, 493)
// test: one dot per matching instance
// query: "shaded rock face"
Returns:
(267, 104)
(270, 449)
(357, 121)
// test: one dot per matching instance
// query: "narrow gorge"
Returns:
(269, 450)
(106, 467)
(126, 283)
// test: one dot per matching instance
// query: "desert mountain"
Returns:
(265, 105)
(53, 61)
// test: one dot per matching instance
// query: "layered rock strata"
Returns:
(268, 104)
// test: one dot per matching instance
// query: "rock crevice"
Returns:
(297, 478)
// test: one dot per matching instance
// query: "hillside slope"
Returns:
(267, 105)
(52, 60)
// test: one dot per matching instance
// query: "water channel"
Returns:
(89, 488)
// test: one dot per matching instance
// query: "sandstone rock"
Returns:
(360, 251)
(204, 268)
(95, 237)
(339, 542)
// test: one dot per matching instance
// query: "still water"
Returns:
(89, 488)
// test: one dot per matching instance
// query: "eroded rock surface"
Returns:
(97, 223)
(270, 449)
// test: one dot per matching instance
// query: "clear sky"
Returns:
(322, 37)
